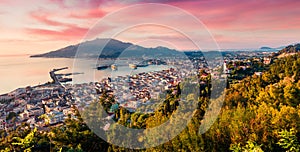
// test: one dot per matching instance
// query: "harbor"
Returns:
(134, 65)
(61, 77)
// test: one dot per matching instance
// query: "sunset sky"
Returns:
(37, 26)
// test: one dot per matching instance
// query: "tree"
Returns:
(46, 119)
(26, 143)
(288, 140)
(11, 115)
(249, 147)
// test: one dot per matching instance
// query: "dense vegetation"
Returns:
(261, 113)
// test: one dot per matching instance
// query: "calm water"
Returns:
(21, 71)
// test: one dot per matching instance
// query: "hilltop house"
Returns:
(267, 60)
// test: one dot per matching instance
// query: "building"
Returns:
(6, 97)
(267, 60)
(36, 111)
(56, 117)
(2, 123)
(258, 73)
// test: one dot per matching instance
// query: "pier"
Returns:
(58, 78)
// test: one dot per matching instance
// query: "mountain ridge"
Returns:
(111, 48)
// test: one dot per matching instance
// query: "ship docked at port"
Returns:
(103, 67)
(114, 67)
(133, 66)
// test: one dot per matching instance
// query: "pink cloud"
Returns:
(88, 14)
(245, 15)
(231, 22)
(68, 32)
(78, 4)
(44, 18)
(71, 32)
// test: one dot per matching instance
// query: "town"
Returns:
(50, 104)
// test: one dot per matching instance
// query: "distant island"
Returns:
(265, 48)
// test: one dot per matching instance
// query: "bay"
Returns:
(20, 70)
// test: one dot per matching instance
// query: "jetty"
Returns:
(58, 78)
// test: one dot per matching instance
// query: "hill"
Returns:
(112, 49)
(265, 48)
(289, 50)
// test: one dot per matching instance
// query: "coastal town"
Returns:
(50, 104)
(149, 76)
(133, 91)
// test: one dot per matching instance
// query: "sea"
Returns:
(18, 71)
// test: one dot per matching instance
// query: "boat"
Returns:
(142, 65)
(132, 66)
(102, 67)
(114, 67)
(155, 62)
(65, 79)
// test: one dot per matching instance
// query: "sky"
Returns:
(38, 26)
